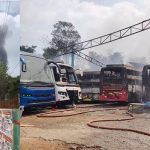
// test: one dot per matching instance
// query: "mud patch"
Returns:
(42, 144)
(83, 147)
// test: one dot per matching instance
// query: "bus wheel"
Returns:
(123, 103)
(138, 98)
(61, 105)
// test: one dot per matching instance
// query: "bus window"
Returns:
(68, 74)
(71, 78)
(56, 74)
(148, 72)
(112, 75)
(36, 70)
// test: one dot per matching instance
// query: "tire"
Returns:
(61, 105)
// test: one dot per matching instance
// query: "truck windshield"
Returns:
(37, 70)
(112, 75)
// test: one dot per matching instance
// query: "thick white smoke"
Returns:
(114, 58)
(10, 42)
(91, 18)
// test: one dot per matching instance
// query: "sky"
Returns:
(12, 41)
(91, 18)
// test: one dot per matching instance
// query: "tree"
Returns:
(12, 87)
(49, 52)
(63, 35)
(3, 81)
(28, 49)
(8, 85)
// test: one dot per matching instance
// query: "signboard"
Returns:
(6, 129)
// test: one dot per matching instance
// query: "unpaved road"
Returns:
(72, 132)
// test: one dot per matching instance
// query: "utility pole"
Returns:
(72, 59)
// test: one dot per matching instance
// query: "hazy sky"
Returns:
(92, 18)
(12, 42)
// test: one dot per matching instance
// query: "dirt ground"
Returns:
(72, 132)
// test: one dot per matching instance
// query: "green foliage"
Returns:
(3, 80)
(64, 35)
(49, 52)
(12, 87)
(8, 85)
(28, 49)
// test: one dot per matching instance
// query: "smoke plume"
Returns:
(3, 54)
(111, 58)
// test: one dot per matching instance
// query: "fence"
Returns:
(10, 129)
(13, 103)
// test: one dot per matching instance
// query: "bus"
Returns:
(37, 85)
(146, 83)
(45, 82)
(90, 85)
(120, 83)
(66, 84)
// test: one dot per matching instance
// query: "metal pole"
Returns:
(16, 131)
(72, 60)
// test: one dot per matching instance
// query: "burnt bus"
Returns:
(146, 83)
(120, 83)
(90, 85)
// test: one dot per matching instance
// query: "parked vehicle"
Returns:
(37, 84)
(45, 82)
(90, 85)
(66, 84)
(146, 83)
(120, 83)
